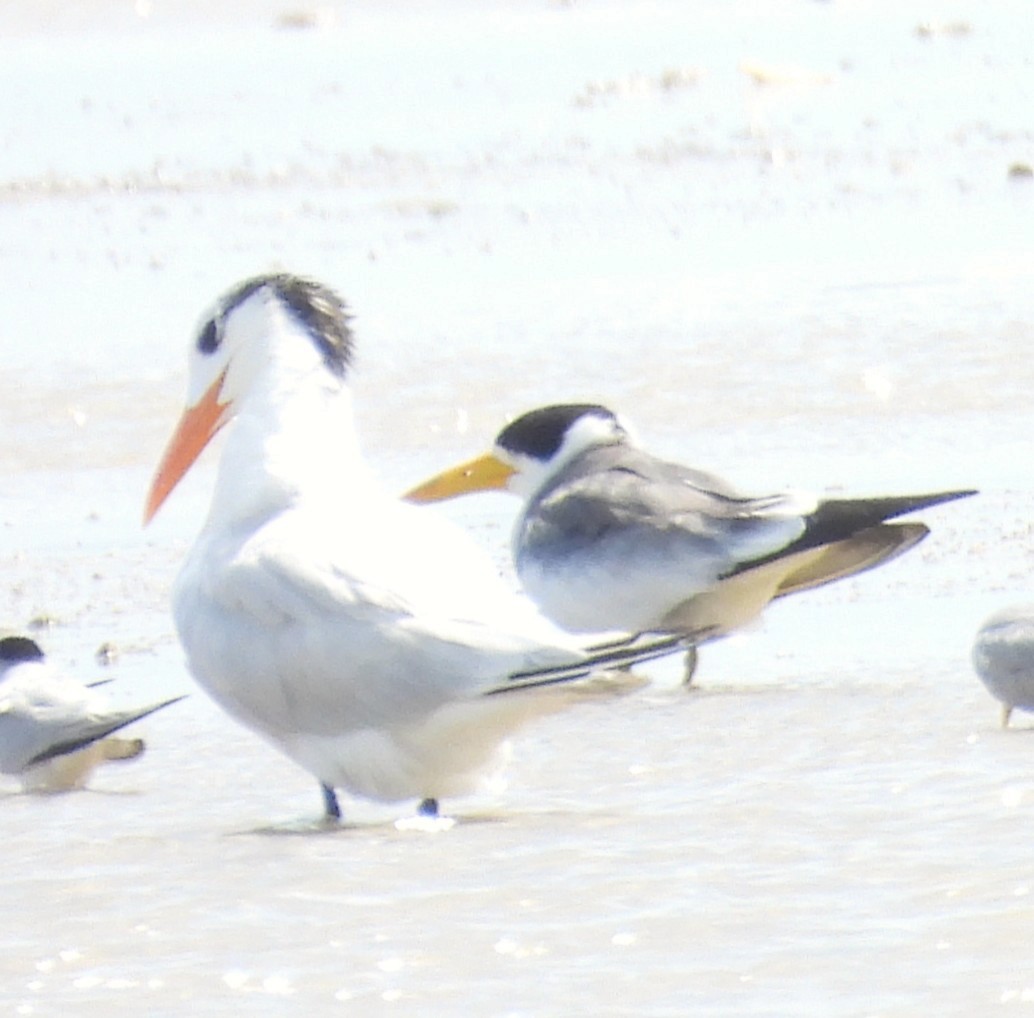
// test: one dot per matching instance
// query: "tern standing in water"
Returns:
(371, 642)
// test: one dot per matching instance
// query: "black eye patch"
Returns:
(208, 341)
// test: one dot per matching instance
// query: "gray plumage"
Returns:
(1003, 657)
(671, 536)
(611, 538)
(46, 715)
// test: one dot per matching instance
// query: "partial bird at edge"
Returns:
(1003, 658)
(54, 730)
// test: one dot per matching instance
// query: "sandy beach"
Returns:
(790, 242)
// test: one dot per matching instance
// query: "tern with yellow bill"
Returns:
(371, 642)
(613, 538)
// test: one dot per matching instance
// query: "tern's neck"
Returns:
(581, 463)
(289, 447)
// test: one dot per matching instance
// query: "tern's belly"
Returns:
(589, 596)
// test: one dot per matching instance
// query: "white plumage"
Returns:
(54, 731)
(365, 638)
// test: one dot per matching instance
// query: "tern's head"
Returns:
(278, 327)
(528, 452)
(16, 650)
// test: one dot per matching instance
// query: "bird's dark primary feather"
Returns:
(102, 731)
(838, 519)
(617, 654)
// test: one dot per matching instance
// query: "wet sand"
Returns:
(790, 245)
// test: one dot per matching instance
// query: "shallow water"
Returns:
(824, 282)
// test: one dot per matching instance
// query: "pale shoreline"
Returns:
(817, 283)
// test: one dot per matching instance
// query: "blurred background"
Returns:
(790, 242)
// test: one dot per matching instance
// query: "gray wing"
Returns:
(627, 499)
(38, 725)
(635, 508)
(1003, 655)
(78, 733)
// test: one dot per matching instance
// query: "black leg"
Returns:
(331, 809)
(428, 808)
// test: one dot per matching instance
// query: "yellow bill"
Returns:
(486, 473)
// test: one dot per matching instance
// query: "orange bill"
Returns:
(195, 430)
(486, 473)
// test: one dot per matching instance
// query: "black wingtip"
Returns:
(870, 511)
(633, 650)
(837, 519)
(912, 503)
(101, 732)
